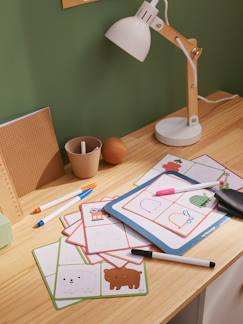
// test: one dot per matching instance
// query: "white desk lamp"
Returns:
(132, 34)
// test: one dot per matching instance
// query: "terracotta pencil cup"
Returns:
(84, 165)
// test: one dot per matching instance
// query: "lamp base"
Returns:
(175, 132)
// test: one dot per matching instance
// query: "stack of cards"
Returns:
(101, 237)
(70, 279)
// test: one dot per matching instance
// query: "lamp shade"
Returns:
(132, 35)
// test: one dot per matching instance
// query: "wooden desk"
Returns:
(24, 297)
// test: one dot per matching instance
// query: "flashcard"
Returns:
(101, 280)
(116, 262)
(127, 256)
(232, 180)
(72, 218)
(93, 258)
(173, 163)
(105, 233)
(70, 229)
(201, 169)
(203, 173)
(46, 258)
(69, 219)
(77, 237)
(69, 254)
(125, 281)
(59, 304)
(77, 281)
(168, 163)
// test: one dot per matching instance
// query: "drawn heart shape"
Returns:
(149, 205)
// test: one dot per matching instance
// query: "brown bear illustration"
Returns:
(118, 277)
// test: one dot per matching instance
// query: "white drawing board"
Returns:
(166, 239)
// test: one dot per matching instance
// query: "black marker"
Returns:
(174, 258)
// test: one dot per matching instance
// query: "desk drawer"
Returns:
(221, 303)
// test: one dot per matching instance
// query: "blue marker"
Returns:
(61, 209)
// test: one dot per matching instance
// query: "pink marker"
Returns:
(171, 191)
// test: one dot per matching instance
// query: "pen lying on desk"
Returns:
(171, 191)
(63, 198)
(63, 208)
(174, 258)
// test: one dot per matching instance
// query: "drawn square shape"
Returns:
(202, 201)
(180, 220)
(147, 205)
(105, 238)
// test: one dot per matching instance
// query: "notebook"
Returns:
(31, 141)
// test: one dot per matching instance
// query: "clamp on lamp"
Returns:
(132, 34)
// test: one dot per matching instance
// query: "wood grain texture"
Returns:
(23, 295)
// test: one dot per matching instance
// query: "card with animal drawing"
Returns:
(126, 281)
(202, 169)
(168, 163)
(46, 258)
(99, 281)
(105, 233)
(69, 219)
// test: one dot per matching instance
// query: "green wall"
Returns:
(50, 56)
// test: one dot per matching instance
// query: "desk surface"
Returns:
(23, 295)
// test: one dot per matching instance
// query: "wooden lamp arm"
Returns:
(194, 51)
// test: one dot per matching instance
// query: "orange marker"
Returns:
(64, 198)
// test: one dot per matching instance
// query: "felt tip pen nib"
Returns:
(36, 211)
(39, 224)
(212, 264)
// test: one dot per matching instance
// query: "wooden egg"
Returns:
(114, 150)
